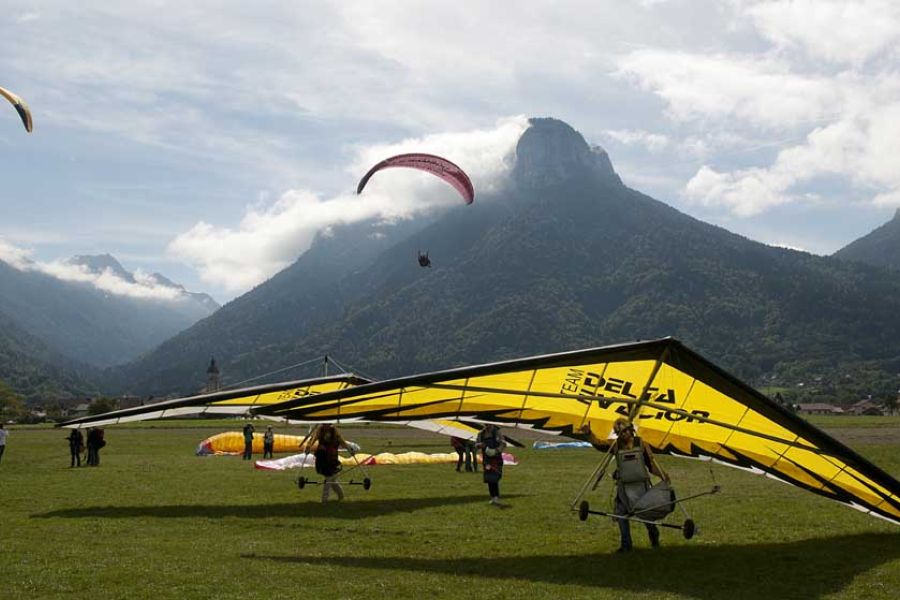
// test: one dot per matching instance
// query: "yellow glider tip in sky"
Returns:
(21, 108)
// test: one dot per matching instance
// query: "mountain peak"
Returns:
(98, 263)
(551, 151)
(879, 247)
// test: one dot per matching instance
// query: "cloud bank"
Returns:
(271, 235)
(144, 287)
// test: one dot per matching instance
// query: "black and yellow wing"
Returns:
(237, 402)
(681, 403)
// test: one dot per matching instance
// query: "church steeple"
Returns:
(212, 376)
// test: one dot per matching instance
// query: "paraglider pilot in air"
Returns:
(424, 261)
(634, 464)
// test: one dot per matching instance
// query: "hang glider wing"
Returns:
(227, 403)
(445, 427)
(20, 106)
(681, 403)
(436, 165)
(238, 402)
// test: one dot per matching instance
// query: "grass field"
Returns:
(154, 521)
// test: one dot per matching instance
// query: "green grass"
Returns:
(154, 521)
(849, 421)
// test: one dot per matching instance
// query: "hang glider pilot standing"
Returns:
(328, 440)
(634, 464)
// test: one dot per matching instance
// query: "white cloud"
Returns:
(653, 142)
(839, 32)
(272, 235)
(861, 149)
(759, 91)
(144, 286)
(788, 246)
(746, 192)
(14, 256)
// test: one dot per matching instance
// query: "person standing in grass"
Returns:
(328, 440)
(92, 456)
(459, 445)
(76, 445)
(491, 443)
(634, 464)
(4, 433)
(268, 442)
(471, 455)
(248, 441)
(101, 442)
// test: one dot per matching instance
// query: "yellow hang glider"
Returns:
(683, 405)
(20, 106)
(236, 402)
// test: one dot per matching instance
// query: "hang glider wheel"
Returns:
(584, 509)
(688, 529)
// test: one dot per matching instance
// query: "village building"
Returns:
(866, 407)
(819, 408)
(212, 377)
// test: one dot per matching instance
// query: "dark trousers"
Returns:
(2, 448)
(248, 450)
(494, 489)
(76, 456)
(267, 450)
(625, 528)
(93, 457)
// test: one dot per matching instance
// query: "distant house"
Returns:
(819, 408)
(80, 410)
(866, 407)
(129, 401)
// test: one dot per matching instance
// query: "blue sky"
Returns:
(211, 141)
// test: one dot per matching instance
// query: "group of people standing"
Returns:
(268, 442)
(77, 444)
(634, 462)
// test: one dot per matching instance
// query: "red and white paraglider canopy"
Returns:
(440, 167)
